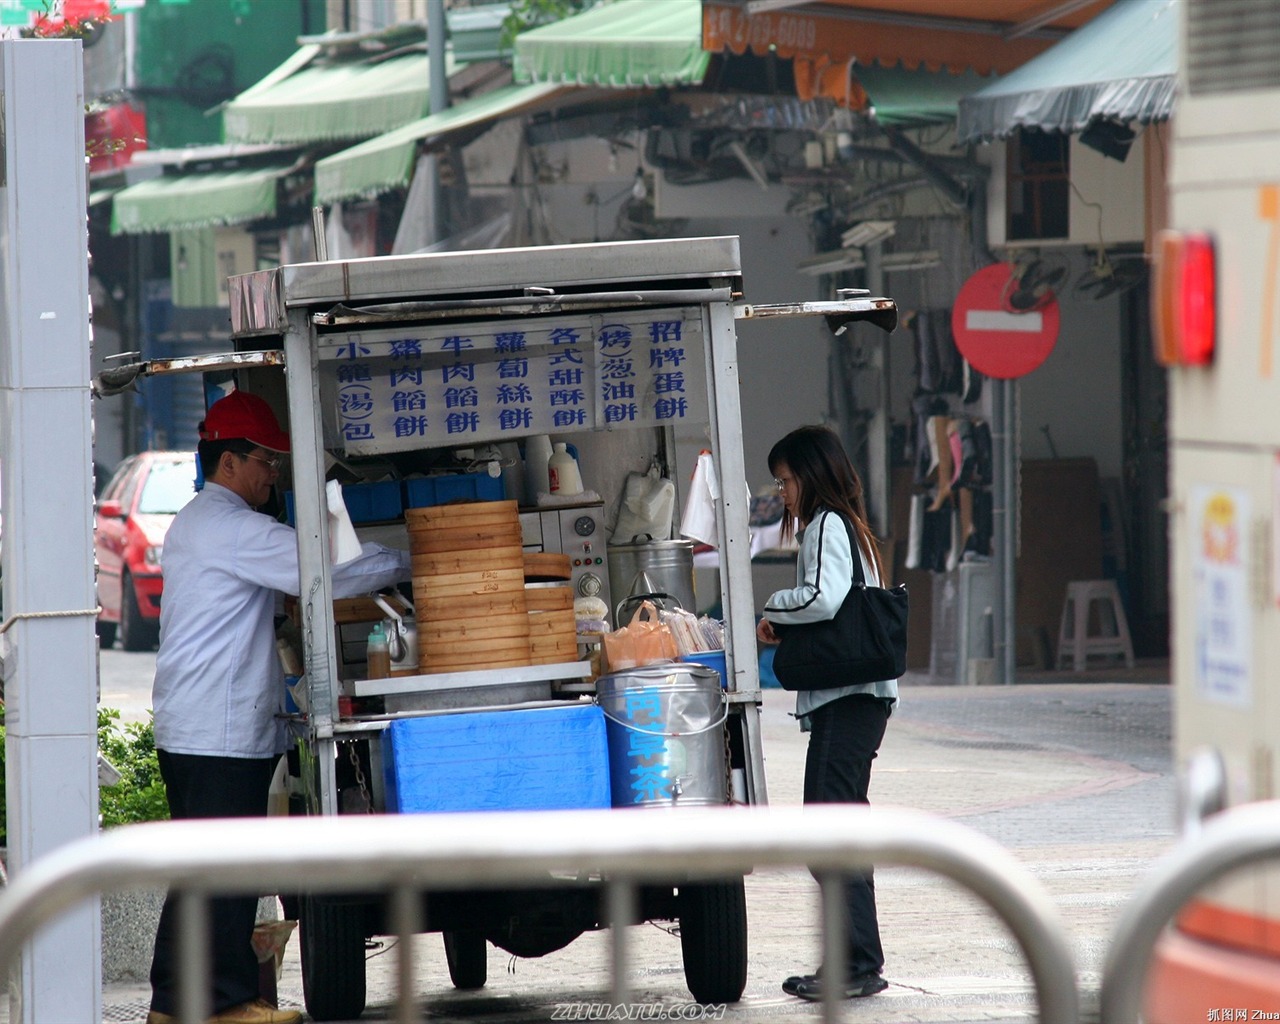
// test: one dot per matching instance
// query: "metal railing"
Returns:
(1232, 839)
(405, 854)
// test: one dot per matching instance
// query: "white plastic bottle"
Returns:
(562, 471)
(537, 455)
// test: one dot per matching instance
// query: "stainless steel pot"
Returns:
(647, 569)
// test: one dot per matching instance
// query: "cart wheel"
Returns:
(136, 633)
(468, 957)
(332, 946)
(713, 939)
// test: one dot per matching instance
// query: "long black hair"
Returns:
(826, 479)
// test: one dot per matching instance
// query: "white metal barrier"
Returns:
(1232, 839)
(405, 854)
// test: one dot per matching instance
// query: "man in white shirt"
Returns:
(219, 685)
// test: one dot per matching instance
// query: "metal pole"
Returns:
(878, 487)
(436, 34)
(50, 655)
(1009, 539)
(1002, 528)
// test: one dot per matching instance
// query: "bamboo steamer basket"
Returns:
(456, 649)
(435, 611)
(462, 514)
(446, 562)
(465, 538)
(461, 584)
(545, 624)
(548, 598)
(546, 566)
(552, 652)
(472, 629)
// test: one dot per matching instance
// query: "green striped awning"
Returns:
(314, 98)
(208, 199)
(626, 44)
(387, 162)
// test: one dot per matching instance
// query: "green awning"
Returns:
(387, 162)
(475, 33)
(174, 203)
(915, 96)
(625, 44)
(318, 97)
(1121, 66)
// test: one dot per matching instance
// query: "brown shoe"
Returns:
(256, 1012)
(156, 1017)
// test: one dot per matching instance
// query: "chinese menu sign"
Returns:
(456, 384)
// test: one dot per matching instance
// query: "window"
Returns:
(1039, 185)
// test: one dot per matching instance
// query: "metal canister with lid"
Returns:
(648, 569)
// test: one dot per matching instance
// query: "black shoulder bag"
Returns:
(865, 642)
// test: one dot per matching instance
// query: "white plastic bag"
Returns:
(647, 505)
(699, 520)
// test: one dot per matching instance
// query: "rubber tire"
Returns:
(468, 956)
(106, 635)
(333, 959)
(136, 633)
(713, 939)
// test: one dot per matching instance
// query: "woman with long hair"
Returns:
(826, 510)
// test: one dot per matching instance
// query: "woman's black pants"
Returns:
(213, 787)
(844, 738)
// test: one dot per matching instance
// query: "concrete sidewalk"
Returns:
(1023, 764)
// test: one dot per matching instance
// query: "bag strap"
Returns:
(858, 576)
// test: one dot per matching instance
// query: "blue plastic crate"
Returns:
(423, 492)
(366, 503)
(711, 659)
(535, 759)
(373, 503)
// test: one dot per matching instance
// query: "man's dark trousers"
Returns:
(213, 787)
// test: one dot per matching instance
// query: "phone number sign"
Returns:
(458, 384)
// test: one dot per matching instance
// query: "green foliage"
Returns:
(527, 14)
(139, 795)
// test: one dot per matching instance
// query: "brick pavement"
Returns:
(1087, 826)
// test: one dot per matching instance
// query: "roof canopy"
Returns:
(209, 199)
(387, 162)
(1121, 66)
(620, 45)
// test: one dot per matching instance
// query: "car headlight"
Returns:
(151, 557)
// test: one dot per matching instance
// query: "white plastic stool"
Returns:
(1073, 633)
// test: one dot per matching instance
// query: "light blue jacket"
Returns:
(824, 574)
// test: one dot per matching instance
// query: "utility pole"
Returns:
(47, 644)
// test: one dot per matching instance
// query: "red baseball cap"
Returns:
(242, 415)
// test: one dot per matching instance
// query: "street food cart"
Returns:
(395, 368)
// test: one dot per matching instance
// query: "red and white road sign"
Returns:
(995, 340)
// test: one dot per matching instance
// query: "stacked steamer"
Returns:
(553, 633)
(468, 586)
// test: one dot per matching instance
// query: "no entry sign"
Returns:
(995, 340)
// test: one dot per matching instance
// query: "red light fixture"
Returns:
(1184, 303)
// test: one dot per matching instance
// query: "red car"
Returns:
(133, 515)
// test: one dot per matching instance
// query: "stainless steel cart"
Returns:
(665, 310)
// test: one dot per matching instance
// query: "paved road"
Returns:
(1075, 778)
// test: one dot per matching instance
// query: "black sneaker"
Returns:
(792, 985)
(859, 985)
